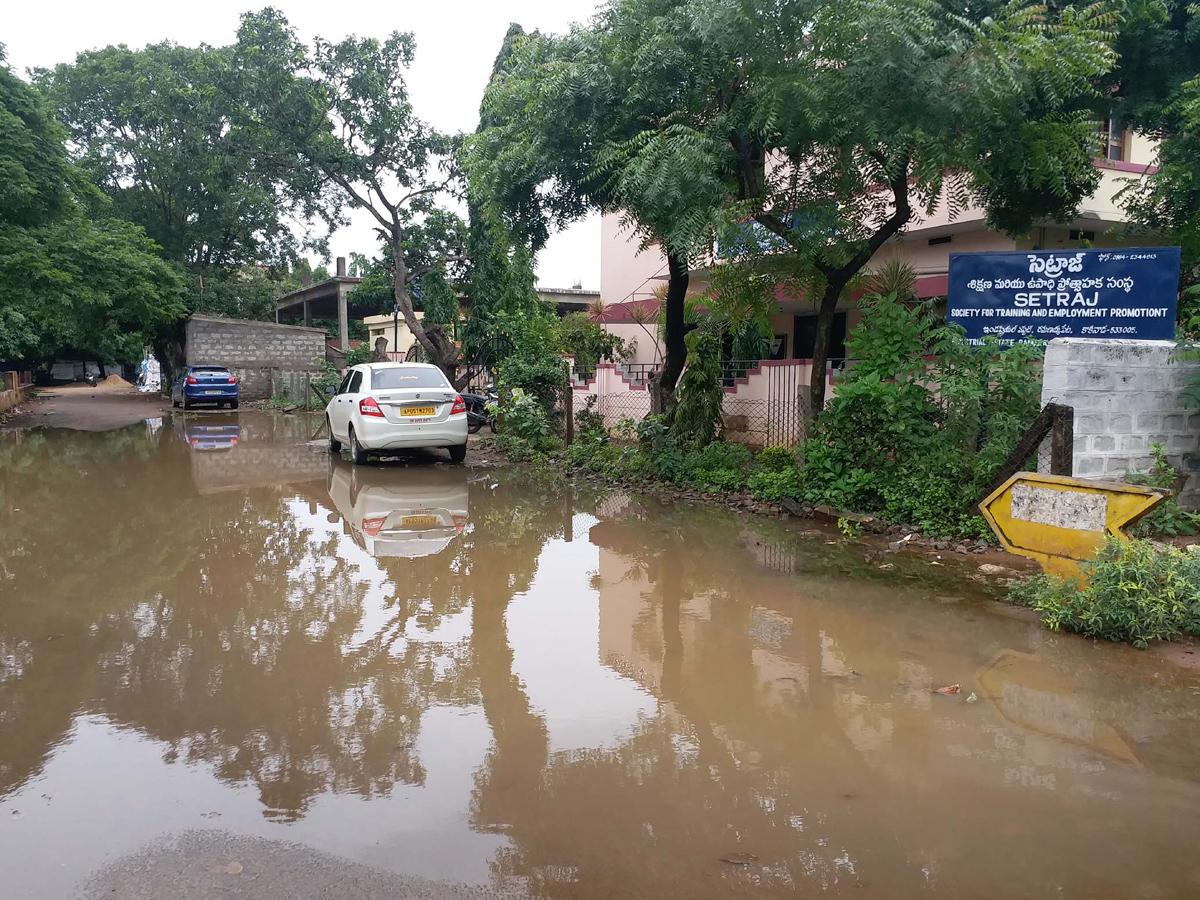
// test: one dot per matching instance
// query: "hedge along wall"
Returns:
(255, 350)
(1127, 395)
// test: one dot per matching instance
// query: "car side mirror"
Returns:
(330, 390)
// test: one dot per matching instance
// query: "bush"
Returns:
(776, 459)
(526, 428)
(1137, 592)
(888, 445)
(774, 485)
(1170, 518)
(701, 396)
(720, 466)
(534, 365)
(537, 376)
(588, 421)
(660, 447)
(358, 355)
(587, 341)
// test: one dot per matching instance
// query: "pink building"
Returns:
(629, 278)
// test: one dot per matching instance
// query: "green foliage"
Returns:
(588, 421)
(718, 466)
(1155, 91)
(772, 485)
(888, 445)
(71, 277)
(848, 527)
(329, 378)
(739, 303)
(340, 111)
(639, 112)
(358, 355)
(1136, 591)
(776, 459)
(1170, 518)
(1188, 349)
(158, 130)
(660, 447)
(587, 341)
(701, 394)
(534, 366)
(526, 429)
(234, 294)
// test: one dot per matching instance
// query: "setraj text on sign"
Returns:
(1038, 295)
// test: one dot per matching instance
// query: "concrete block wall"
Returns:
(1126, 396)
(254, 350)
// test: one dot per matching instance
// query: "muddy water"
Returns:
(467, 676)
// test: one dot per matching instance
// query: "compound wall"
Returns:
(1127, 395)
(257, 352)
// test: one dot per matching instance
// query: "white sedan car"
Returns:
(396, 406)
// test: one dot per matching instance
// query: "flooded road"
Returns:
(228, 664)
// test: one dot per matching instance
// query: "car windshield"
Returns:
(386, 379)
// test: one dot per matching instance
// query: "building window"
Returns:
(944, 239)
(805, 330)
(1113, 140)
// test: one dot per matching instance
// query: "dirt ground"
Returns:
(83, 408)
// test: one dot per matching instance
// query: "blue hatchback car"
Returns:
(205, 384)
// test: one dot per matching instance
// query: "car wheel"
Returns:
(187, 404)
(335, 446)
(233, 404)
(174, 403)
(458, 454)
(358, 453)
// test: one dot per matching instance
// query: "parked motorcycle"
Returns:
(478, 411)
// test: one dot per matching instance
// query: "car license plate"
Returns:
(212, 392)
(418, 521)
(417, 411)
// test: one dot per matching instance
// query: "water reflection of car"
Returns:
(409, 512)
(211, 437)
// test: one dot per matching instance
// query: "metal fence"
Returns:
(1048, 446)
(771, 413)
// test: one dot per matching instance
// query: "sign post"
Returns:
(1061, 522)
(1038, 295)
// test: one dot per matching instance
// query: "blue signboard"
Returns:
(1039, 295)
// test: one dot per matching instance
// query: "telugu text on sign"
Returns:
(1039, 295)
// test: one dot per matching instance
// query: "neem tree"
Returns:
(846, 121)
(1156, 91)
(582, 122)
(830, 125)
(343, 111)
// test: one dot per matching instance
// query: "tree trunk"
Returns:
(820, 360)
(441, 351)
(662, 396)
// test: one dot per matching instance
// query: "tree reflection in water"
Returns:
(226, 627)
(251, 630)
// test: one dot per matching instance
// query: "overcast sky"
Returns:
(457, 41)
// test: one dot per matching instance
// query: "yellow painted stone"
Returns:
(1061, 522)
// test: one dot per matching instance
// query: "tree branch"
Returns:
(416, 273)
(365, 204)
(429, 189)
(897, 220)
